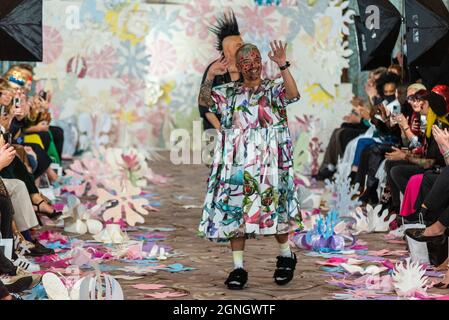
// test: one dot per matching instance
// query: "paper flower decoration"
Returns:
(133, 250)
(361, 222)
(342, 193)
(372, 270)
(100, 287)
(322, 237)
(132, 163)
(377, 223)
(56, 290)
(111, 234)
(77, 219)
(88, 171)
(94, 129)
(124, 197)
(409, 279)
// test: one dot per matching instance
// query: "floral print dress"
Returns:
(251, 190)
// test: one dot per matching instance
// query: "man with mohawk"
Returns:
(223, 70)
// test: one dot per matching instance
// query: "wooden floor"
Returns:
(213, 262)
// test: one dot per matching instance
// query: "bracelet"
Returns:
(287, 64)
(406, 129)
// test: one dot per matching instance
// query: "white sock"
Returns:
(237, 256)
(285, 249)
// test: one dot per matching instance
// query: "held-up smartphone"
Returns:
(7, 137)
(43, 94)
(16, 102)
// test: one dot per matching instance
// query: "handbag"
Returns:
(419, 252)
(426, 252)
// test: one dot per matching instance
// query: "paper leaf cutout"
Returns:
(372, 270)
(129, 278)
(163, 295)
(143, 286)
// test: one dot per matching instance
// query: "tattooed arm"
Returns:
(205, 100)
(205, 97)
(422, 162)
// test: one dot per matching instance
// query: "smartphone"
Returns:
(7, 137)
(16, 102)
(43, 94)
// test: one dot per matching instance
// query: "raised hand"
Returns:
(278, 53)
(218, 68)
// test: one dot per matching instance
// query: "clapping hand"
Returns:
(396, 155)
(441, 137)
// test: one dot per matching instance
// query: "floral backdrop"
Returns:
(128, 72)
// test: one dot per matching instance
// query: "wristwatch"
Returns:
(287, 64)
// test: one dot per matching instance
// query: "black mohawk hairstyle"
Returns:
(226, 26)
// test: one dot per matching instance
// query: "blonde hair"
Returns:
(416, 87)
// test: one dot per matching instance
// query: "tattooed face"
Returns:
(249, 62)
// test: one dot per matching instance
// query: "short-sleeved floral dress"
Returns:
(251, 189)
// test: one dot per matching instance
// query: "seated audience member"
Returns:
(433, 106)
(354, 125)
(386, 132)
(411, 136)
(20, 111)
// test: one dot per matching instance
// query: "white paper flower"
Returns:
(361, 222)
(377, 223)
(409, 279)
(78, 220)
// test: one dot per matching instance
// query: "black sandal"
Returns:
(237, 279)
(53, 216)
(285, 268)
(441, 285)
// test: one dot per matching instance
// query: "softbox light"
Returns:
(21, 30)
(427, 32)
(377, 27)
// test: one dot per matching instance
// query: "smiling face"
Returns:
(6, 97)
(249, 62)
